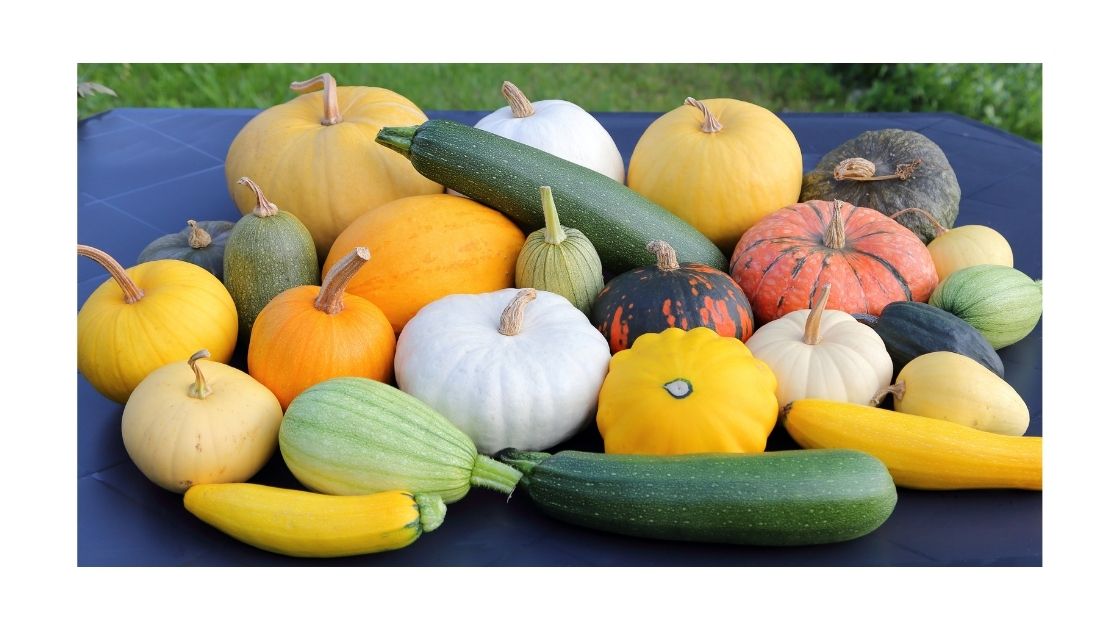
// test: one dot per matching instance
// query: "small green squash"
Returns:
(560, 260)
(1002, 303)
(202, 243)
(269, 251)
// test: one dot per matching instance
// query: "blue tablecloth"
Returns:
(143, 172)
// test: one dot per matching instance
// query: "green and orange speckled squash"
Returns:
(670, 295)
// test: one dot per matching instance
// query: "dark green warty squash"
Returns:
(889, 170)
(202, 243)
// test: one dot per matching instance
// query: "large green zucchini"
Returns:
(911, 329)
(507, 175)
(778, 498)
(353, 435)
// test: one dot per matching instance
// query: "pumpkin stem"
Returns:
(834, 237)
(898, 389)
(265, 208)
(199, 237)
(330, 96)
(666, 255)
(132, 293)
(553, 231)
(711, 123)
(938, 228)
(813, 322)
(330, 295)
(514, 313)
(199, 389)
(518, 103)
(862, 170)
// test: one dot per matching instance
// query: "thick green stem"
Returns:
(553, 231)
(398, 139)
(523, 461)
(432, 510)
(492, 474)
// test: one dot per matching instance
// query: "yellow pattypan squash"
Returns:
(692, 391)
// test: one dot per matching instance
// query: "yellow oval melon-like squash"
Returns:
(720, 164)
(426, 247)
(953, 249)
(316, 157)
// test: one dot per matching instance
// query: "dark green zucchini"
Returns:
(507, 175)
(775, 499)
(911, 329)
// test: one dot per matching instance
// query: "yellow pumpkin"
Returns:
(692, 391)
(720, 164)
(148, 316)
(953, 249)
(198, 421)
(316, 157)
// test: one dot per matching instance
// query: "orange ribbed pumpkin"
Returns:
(869, 259)
(309, 334)
(426, 247)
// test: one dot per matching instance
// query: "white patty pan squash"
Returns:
(511, 368)
(823, 354)
(561, 128)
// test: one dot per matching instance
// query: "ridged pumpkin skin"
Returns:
(678, 392)
(670, 295)
(911, 329)
(327, 175)
(932, 184)
(184, 308)
(1002, 303)
(870, 261)
(720, 182)
(296, 343)
(181, 246)
(426, 247)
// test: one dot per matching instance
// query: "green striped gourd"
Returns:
(1002, 303)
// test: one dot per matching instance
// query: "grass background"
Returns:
(1008, 96)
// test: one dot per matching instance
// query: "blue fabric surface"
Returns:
(143, 172)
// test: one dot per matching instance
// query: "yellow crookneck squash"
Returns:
(677, 392)
(148, 316)
(316, 156)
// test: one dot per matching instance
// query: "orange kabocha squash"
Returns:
(309, 334)
(426, 247)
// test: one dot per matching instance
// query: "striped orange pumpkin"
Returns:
(869, 260)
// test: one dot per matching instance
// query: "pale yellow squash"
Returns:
(964, 246)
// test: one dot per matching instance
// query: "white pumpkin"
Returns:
(823, 354)
(558, 127)
(511, 368)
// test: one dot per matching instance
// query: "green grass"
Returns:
(1004, 95)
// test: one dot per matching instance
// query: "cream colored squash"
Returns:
(964, 246)
(823, 354)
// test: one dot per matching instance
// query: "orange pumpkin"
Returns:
(426, 247)
(309, 334)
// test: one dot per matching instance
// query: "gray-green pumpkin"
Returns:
(268, 252)
(202, 243)
(889, 170)
(1002, 303)
(559, 260)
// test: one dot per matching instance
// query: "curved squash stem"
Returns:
(513, 315)
(199, 237)
(331, 116)
(938, 228)
(265, 208)
(519, 104)
(863, 170)
(711, 123)
(666, 255)
(330, 295)
(834, 236)
(132, 293)
(553, 231)
(492, 474)
(898, 389)
(813, 322)
(198, 389)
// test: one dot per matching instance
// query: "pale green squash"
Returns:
(1002, 303)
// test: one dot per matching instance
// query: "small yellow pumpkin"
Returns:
(182, 427)
(953, 249)
(316, 157)
(678, 391)
(147, 316)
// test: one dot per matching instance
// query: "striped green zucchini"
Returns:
(775, 499)
(507, 175)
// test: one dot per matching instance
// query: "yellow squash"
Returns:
(306, 524)
(148, 316)
(919, 452)
(953, 387)
(953, 249)
(692, 391)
